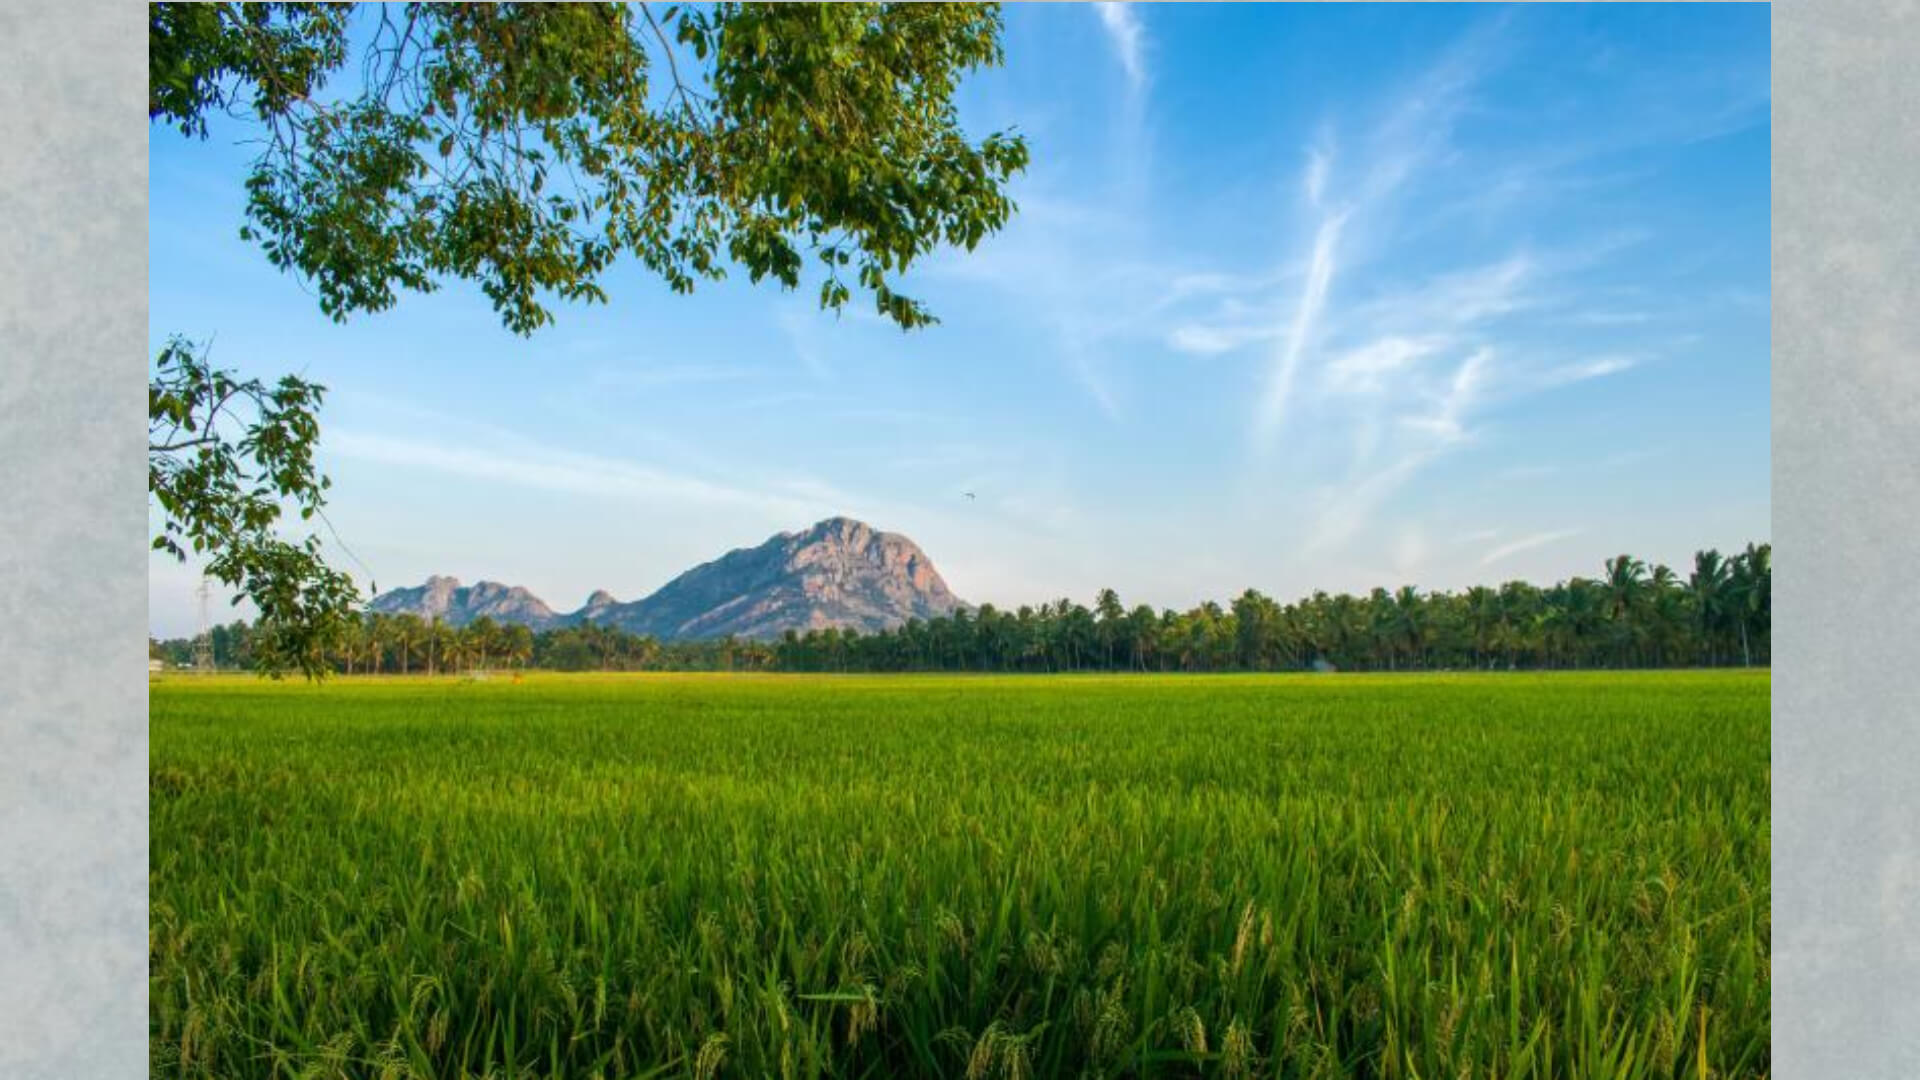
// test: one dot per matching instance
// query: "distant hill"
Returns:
(449, 601)
(839, 573)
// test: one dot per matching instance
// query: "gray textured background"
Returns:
(1846, 380)
(73, 831)
(73, 698)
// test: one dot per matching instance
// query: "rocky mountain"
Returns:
(839, 573)
(599, 608)
(444, 598)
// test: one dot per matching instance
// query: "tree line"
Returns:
(1632, 616)
(383, 644)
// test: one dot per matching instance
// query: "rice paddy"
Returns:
(813, 876)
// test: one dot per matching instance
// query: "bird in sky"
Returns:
(968, 494)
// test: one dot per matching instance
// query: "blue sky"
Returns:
(1298, 297)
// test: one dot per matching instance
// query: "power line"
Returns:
(203, 644)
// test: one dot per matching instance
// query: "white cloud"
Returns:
(1342, 516)
(1199, 339)
(1123, 28)
(1526, 543)
(1066, 265)
(1457, 300)
(1596, 368)
(1316, 183)
(1469, 383)
(566, 472)
(1364, 370)
(1446, 421)
(1410, 135)
(1421, 438)
(1028, 500)
(1306, 319)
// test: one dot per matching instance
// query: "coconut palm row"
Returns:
(1632, 615)
(383, 644)
(408, 644)
(380, 644)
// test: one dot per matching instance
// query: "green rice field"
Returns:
(1413, 876)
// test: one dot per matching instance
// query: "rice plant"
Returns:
(685, 876)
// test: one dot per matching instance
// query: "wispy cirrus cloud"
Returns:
(1526, 543)
(542, 468)
(1014, 494)
(1447, 422)
(1122, 24)
(1403, 369)
(1596, 368)
(1367, 369)
(1197, 339)
(1075, 267)
(1306, 322)
(1076, 257)
(1409, 136)
(1346, 510)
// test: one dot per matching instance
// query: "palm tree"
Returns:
(1409, 623)
(1107, 606)
(1483, 620)
(484, 637)
(1666, 613)
(519, 644)
(375, 641)
(440, 639)
(1750, 588)
(407, 632)
(1380, 629)
(1625, 588)
(1143, 628)
(348, 642)
(1708, 584)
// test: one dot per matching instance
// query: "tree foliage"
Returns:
(1630, 618)
(527, 148)
(224, 456)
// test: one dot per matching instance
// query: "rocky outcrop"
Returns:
(839, 573)
(444, 598)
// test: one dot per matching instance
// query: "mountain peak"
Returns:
(444, 598)
(839, 572)
(838, 526)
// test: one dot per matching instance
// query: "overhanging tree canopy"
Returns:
(527, 148)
